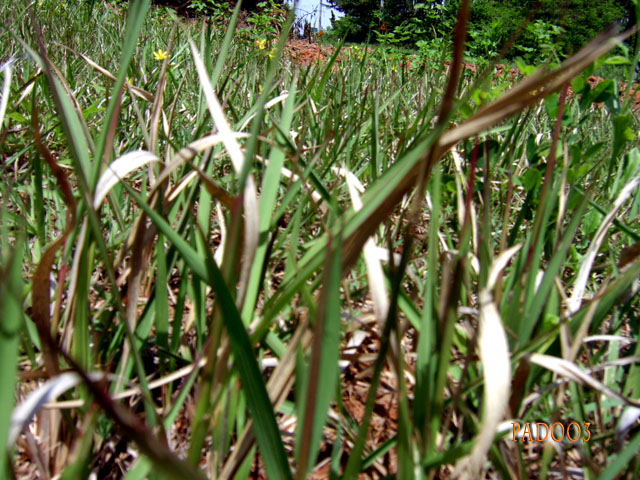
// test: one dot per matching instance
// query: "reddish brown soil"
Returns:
(305, 53)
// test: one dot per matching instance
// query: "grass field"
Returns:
(218, 262)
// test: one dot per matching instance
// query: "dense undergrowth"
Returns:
(219, 263)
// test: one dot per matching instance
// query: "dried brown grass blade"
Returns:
(455, 72)
(41, 294)
(215, 190)
(41, 301)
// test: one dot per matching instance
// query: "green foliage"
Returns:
(268, 19)
(343, 27)
(551, 32)
(358, 20)
(406, 21)
(219, 11)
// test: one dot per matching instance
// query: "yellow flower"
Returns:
(261, 44)
(272, 53)
(160, 54)
(394, 68)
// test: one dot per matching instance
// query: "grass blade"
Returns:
(323, 373)
(11, 324)
(265, 425)
(496, 364)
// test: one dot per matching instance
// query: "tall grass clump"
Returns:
(219, 263)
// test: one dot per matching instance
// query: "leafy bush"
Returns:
(552, 30)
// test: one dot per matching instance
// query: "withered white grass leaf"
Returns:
(572, 372)
(375, 274)
(250, 197)
(45, 393)
(4, 100)
(585, 266)
(118, 170)
(496, 370)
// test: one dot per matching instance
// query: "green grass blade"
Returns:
(135, 19)
(622, 461)
(323, 372)
(265, 425)
(10, 323)
(269, 192)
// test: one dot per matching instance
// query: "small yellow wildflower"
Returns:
(272, 53)
(261, 44)
(160, 54)
(394, 68)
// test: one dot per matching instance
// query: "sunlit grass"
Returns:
(257, 253)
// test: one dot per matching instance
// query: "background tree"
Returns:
(205, 7)
(568, 24)
(359, 16)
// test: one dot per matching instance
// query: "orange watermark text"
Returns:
(540, 431)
